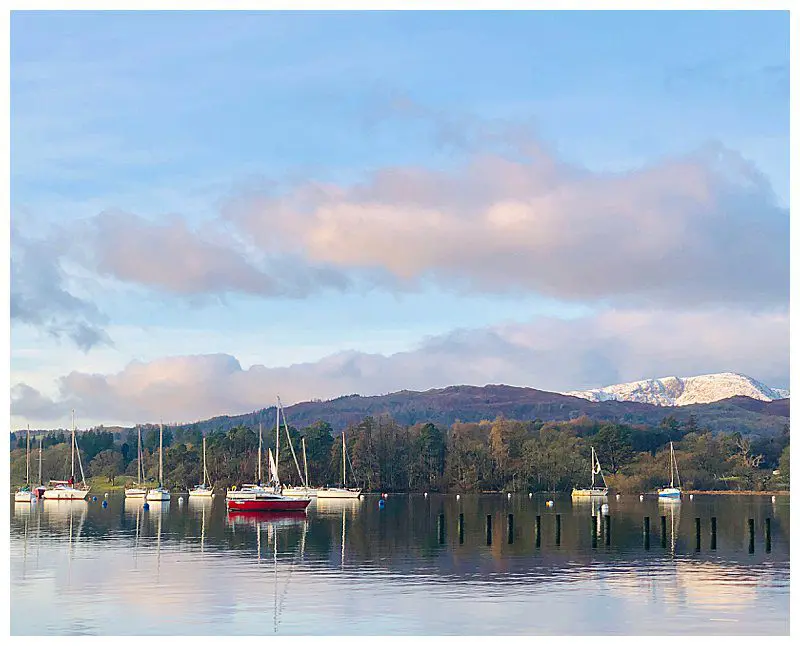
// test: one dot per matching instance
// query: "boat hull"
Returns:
(24, 496)
(158, 495)
(269, 504)
(670, 493)
(135, 492)
(590, 493)
(201, 493)
(301, 492)
(339, 493)
(65, 493)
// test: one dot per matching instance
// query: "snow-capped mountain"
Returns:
(681, 391)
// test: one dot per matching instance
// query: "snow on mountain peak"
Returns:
(681, 391)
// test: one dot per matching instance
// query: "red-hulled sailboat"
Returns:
(258, 498)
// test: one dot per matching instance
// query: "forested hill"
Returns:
(444, 406)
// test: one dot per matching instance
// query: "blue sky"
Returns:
(214, 132)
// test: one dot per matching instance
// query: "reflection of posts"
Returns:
(713, 532)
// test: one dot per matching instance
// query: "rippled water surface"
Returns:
(349, 567)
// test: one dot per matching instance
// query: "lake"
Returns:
(350, 567)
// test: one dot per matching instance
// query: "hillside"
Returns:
(445, 406)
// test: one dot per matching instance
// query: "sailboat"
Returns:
(672, 492)
(343, 491)
(160, 493)
(261, 499)
(41, 488)
(594, 491)
(203, 490)
(137, 491)
(66, 489)
(24, 494)
(258, 498)
(305, 490)
(248, 490)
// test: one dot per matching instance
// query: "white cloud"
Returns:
(547, 353)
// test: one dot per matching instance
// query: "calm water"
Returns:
(348, 567)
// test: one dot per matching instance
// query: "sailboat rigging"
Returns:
(66, 489)
(138, 491)
(24, 493)
(203, 489)
(594, 491)
(343, 491)
(674, 490)
(160, 493)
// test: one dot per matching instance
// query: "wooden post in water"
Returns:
(461, 528)
(768, 534)
(558, 529)
(488, 529)
(751, 526)
(663, 531)
(510, 528)
(713, 532)
(441, 528)
(696, 534)
(608, 528)
(646, 531)
(538, 531)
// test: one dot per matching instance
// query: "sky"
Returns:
(211, 209)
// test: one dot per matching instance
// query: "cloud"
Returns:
(701, 229)
(547, 353)
(40, 298)
(171, 257)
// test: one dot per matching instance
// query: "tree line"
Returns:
(383, 455)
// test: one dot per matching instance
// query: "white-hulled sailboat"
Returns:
(594, 491)
(25, 494)
(160, 493)
(203, 490)
(672, 492)
(138, 491)
(344, 491)
(66, 489)
(303, 491)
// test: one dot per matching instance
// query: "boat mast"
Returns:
(28, 457)
(593, 464)
(161, 454)
(305, 460)
(289, 440)
(205, 471)
(344, 463)
(73, 444)
(259, 452)
(139, 468)
(40, 460)
(277, 436)
(671, 472)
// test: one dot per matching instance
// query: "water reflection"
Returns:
(133, 570)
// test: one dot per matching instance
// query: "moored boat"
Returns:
(268, 502)
(594, 491)
(24, 493)
(66, 489)
(672, 492)
(202, 490)
(138, 491)
(160, 493)
(344, 491)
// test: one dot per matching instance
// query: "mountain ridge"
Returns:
(683, 391)
(445, 406)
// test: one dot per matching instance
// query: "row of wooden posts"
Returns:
(607, 531)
